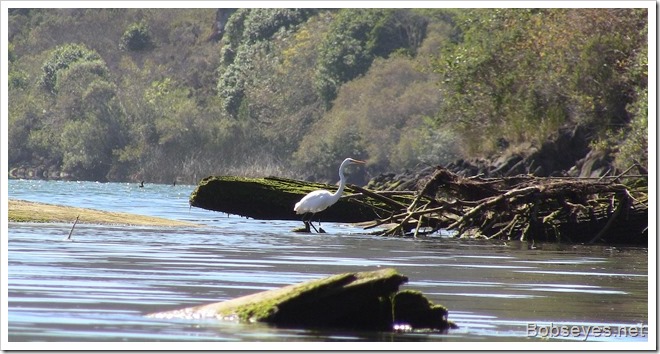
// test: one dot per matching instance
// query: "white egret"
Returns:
(321, 199)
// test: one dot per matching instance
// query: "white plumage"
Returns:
(321, 199)
(314, 202)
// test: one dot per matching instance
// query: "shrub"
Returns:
(321, 159)
(136, 37)
(61, 58)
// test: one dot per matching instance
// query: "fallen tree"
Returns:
(273, 198)
(524, 207)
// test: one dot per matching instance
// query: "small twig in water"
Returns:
(72, 227)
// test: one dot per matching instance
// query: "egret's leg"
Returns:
(308, 222)
(320, 230)
(311, 222)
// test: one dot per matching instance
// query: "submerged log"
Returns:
(363, 301)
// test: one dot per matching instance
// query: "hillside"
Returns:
(167, 95)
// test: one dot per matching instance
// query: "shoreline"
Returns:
(26, 211)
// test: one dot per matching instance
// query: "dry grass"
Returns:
(24, 211)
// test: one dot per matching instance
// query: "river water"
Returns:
(98, 287)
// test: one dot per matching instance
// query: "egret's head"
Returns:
(354, 161)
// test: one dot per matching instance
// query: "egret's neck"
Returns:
(342, 182)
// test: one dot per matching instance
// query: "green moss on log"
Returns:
(274, 199)
(363, 300)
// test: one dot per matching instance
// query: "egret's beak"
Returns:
(358, 161)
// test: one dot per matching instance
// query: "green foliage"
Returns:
(290, 90)
(24, 119)
(520, 74)
(93, 129)
(262, 24)
(634, 145)
(85, 121)
(136, 37)
(634, 142)
(11, 56)
(85, 156)
(247, 34)
(233, 37)
(321, 158)
(356, 37)
(281, 101)
(18, 79)
(61, 58)
(386, 112)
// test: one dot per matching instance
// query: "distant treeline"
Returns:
(180, 94)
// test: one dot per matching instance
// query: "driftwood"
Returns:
(526, 208)
(364, 300)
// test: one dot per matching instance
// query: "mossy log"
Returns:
(273, 198)
(368, 300)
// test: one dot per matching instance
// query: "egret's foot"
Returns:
(321, 231)
(303, 229)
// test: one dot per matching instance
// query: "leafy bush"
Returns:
(136, 37)
(634, 145)
(321, 158)
(93, 131)
(85, 124)
(61, 58)
(262, 24)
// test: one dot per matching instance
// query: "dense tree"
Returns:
(247, 37)
(87, 113)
